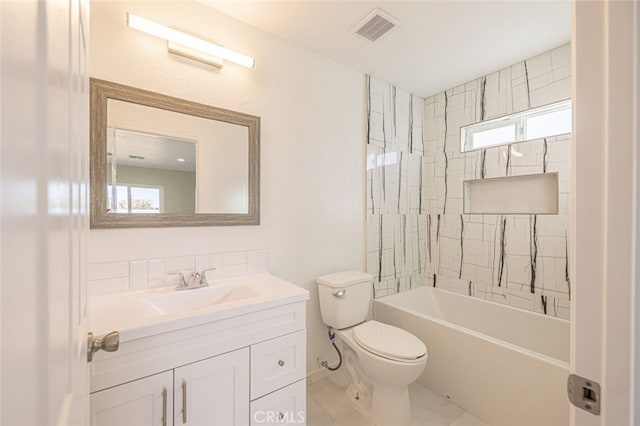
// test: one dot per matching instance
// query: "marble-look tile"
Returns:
(396, 188)
(516, 260)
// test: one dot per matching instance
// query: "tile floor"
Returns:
(328, 405)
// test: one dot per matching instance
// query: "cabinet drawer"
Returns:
(277, 362)
(286, 406)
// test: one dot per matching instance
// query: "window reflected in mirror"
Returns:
(148, 173)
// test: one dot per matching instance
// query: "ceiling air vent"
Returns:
(375, 25)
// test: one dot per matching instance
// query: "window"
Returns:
(133, 199)
(537, 123)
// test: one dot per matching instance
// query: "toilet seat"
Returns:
(389, 342)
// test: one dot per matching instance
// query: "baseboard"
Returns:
(318, 374)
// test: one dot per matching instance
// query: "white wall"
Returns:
(311, 148)
(223, 180)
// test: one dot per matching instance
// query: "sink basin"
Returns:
(201, 298)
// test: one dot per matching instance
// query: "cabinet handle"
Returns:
(281, 363)
(164, 407)
(184, 401)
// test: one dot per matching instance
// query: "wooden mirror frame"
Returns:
(101, 92)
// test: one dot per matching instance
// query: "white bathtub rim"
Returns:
(545, 358)
(491, 302)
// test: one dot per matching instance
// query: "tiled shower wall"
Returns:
(396, 192)
(518, 260)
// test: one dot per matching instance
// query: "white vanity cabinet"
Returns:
(223, 372)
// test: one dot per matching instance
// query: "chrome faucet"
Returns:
(196, 279)
(203, 275)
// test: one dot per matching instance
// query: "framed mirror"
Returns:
(159, 161)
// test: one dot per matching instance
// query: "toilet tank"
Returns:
(344, 298)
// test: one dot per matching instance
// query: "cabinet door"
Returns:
(144, 402)
(214, 391)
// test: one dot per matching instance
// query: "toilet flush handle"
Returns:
(340, 293)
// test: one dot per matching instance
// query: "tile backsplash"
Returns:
(140, 274)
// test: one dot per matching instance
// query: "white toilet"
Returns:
(389, 357)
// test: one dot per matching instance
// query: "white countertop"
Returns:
(144, 313)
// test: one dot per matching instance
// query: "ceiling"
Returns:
(436, 45)
(139, 149)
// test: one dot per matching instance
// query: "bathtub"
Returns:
(504, 365)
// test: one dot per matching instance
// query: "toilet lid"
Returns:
(389, 341)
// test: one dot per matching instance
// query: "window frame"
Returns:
(520, 121)
(131, 185)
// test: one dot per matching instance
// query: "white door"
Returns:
(213, 392)
(44, 166)
(605, 214)
(144, 402)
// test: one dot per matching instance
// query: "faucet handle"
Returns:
(203, 274)
(182, 282)
(195, 280)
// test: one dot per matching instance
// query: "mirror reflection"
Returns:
(149, 173)
(161, 161)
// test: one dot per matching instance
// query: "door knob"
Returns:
(109, 343)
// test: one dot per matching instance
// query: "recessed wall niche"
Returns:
(526, 194)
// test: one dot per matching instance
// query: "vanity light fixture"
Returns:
(188, 45)
(181, 160)
(193, 54)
